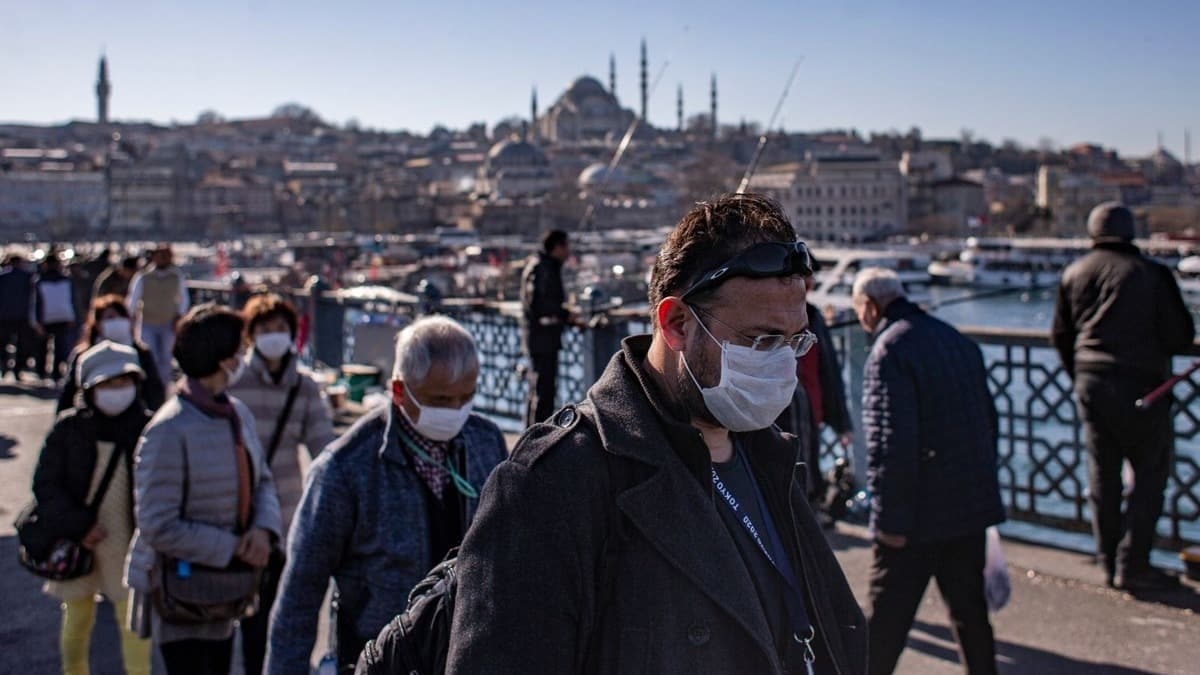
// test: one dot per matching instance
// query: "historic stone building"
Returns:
(586, 112)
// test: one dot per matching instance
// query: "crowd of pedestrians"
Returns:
(668, 523)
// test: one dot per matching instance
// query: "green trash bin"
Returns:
(359, 378)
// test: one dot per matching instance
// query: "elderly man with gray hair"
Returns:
(387, 500)
(930, 427)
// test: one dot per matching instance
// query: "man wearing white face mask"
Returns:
(386, 501)
(658, 527)
(290, 411)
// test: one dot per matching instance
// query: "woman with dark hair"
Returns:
(109, 320)
(290, 410)
(71, 490)
(205, 497)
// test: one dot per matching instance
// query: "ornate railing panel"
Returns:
(1043, 461)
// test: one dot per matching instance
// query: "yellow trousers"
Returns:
(79, 616)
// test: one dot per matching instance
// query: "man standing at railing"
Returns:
(930, 426)
(158, 297)
(1120, 317)
(544, 314)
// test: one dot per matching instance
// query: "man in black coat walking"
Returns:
(544, 314)
(931, 429)
(1119, 318)
(659, 527)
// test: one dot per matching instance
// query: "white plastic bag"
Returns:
(996, 585)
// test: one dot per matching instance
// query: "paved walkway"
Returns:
(1061, 618)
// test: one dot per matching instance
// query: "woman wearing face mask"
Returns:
(290, 411)
(102, 428)
(109, 320)
(206, 502)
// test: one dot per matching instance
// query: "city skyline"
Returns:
(1069, 72)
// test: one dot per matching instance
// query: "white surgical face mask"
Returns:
(273, 345)
(119, 330)
(114, 401)
(438, 424)
(755, 386)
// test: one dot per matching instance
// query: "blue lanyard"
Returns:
(803, 631)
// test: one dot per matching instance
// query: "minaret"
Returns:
(612, 74)
(713, 112)
(533, 115)
(1187, 147)
(103, 89)
(679, 109)
(644, 83)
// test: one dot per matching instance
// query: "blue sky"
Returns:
(1068, 70)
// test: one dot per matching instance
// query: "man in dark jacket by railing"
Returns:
(931, 428)
(544, 315)
(659, 528)
(1119, 319)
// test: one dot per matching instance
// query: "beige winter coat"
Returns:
(310, 423)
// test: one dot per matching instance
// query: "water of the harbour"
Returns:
(1034, 310)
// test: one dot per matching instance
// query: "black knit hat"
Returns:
(1111, 222)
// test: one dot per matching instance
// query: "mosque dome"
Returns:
(585, 87)
(513, 153)
(596, 174)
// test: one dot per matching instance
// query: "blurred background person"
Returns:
(109, 319)
(115, 280)
(158, 297)
(16, 331)
(53, 315)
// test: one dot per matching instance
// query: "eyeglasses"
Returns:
(800, 343)
(760, 261)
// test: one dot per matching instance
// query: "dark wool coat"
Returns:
(598, 548)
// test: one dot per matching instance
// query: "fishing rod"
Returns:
(953, 301)
(1163, 389)
(621, 147)
(987, 294)
(762, 139)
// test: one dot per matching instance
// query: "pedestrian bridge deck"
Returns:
(1061, 618)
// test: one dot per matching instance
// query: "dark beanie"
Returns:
(1111, 221)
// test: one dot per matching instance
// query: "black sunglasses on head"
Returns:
(760, 261)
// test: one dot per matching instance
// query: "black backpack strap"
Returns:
(282, 421)
(111, 468)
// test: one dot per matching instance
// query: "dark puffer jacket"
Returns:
(931, 429)
(68, 463)
(1119, 311)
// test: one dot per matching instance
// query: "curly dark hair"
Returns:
(711, 233)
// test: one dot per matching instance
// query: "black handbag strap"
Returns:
(282, 421)
(109, 470)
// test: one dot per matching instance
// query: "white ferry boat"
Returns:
(1188, 275)
(1009, 263)
(838, 267)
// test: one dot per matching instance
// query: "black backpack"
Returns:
(417, 642)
